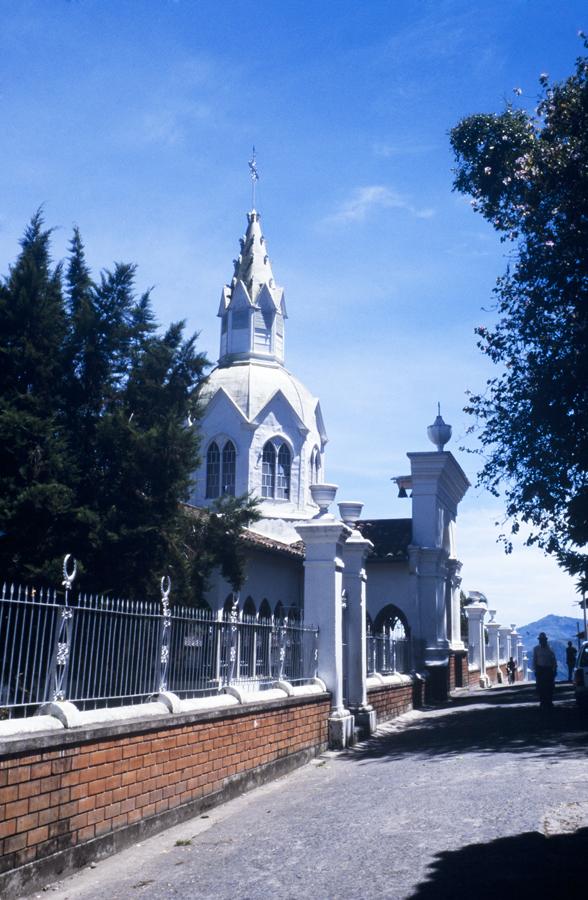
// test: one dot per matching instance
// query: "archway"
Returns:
(389, 647)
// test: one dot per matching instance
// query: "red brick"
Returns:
(19, 774)
(16, 842)
(85, 834)
(37, 836)
(49, 815)
(41, 770)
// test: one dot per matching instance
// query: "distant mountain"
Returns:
(559, 630)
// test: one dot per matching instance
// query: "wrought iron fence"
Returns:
(387, 654)
(99, 651)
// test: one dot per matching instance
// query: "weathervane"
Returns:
(254, 174)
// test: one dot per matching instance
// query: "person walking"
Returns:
(571, 654)
(545, 667)
(511, 670)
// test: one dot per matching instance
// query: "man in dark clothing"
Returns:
(545, 668)
(571, 654)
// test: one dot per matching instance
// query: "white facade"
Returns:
(263, 429)
(263, 433)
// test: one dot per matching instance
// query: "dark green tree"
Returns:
(527, 174)
(35, 494)
(99, 413)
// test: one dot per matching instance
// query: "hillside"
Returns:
(559, 630)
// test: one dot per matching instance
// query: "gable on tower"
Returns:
(270, 422)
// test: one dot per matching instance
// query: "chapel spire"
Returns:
(252, 308)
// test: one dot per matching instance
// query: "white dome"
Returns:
(251, 384)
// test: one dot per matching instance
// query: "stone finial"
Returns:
(439, 432)
(323, 495)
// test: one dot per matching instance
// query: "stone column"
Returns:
(525, 667)
(428, 564)
(503, 633)
(355, 551)
(493, 639)
(475, 615)
(453, 605)
(519, 656)
(513, 638)
(323, 586)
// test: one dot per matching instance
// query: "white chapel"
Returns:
(263, 433)
(263, 429)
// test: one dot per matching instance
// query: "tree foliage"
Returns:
(527, 173)
(98, 417)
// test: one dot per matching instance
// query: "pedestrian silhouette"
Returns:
(571, 654)
(545, 667)
(511, 670)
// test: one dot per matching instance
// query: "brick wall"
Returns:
(66, 792)
(458, 670)
(392, 700)
(492, 673)
(474, 678)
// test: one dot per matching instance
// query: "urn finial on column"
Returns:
(439, 432)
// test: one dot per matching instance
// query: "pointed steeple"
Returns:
(252, 307)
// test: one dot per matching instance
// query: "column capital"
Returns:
(427, 561)
(476, 611)
(322, 539)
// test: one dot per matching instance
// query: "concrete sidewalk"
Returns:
(477, 799)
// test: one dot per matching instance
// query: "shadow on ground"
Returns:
(527, 865)
(505, 720)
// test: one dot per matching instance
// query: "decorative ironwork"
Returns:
(63, 637)
(165, 632)
(98, 650)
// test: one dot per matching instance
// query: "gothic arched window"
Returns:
(213, 471)
(228, 469)
(275, 471)
(283, 474)
(315, 466)
(268, 471)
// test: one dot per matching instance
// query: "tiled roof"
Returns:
(263, 542)
(390, 537)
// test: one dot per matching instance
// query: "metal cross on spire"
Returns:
(254, 175)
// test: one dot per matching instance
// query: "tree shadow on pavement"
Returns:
(485, 722)
(527, 865)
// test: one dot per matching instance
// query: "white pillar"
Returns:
(454, 606)
(323, 586)
(525, 667)
(475, 615)
(513, 638)
(355, 551)
(428, 564)
(503, 633)
(493, 639)
(520, 652)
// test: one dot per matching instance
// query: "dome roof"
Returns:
(251, 384)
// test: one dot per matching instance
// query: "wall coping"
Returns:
(46, 740)
(377, 681)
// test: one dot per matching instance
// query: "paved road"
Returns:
(483, 798)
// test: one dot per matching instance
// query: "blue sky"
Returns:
(135, 121)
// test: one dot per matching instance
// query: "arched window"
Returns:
(391, 638)
(279, 613)
(228, 468)
(220, 470)
(249, 608)
(265, 610)
(213, 471)
(315, 466)
(391, 621)
(283, 477)
(275, 471)
(268, 471)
